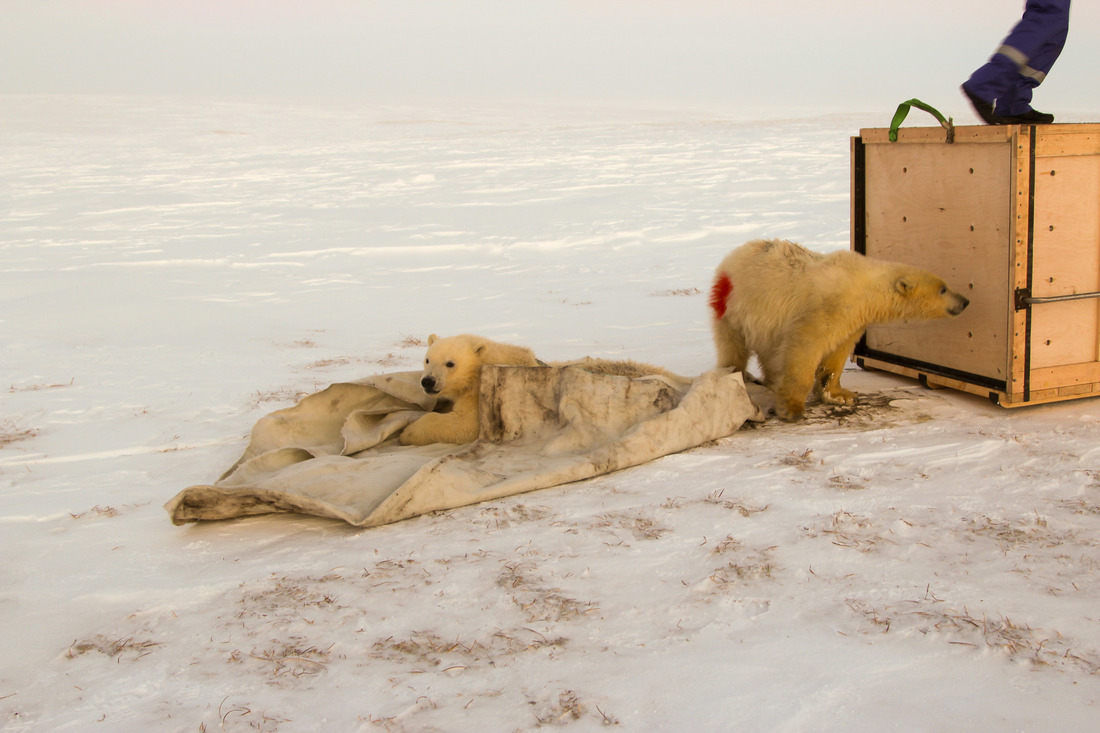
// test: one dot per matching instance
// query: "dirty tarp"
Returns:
(335, 454)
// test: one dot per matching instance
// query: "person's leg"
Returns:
(1021, 62)
(1031, 73)
(990, 82)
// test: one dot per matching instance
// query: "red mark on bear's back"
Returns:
(719, 294)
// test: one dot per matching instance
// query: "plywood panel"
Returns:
(1066, 255)
(1069, 140)
(945, 208)
(1064, 333)
(996, 134)
(1068, 379)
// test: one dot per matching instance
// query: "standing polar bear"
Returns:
(802, 313)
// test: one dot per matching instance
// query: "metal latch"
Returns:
(1025, 300)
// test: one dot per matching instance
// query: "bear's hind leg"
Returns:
(729, 342)
(827, 379)
(794, 382)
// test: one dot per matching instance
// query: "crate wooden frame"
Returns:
(1009, 215)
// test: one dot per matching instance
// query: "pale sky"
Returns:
(734, 55)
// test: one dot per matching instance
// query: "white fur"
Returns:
(801, 313)
(452, 371)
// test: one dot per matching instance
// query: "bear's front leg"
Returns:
(450, 427)
(827, 380)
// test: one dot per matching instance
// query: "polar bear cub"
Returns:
(452, 372)
(801, 313)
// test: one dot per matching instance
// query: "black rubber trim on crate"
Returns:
(926, 368)
(859, 197)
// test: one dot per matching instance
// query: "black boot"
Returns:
(983, 108)
(1031, 117)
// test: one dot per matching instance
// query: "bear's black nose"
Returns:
(960, 306)
(428, 383)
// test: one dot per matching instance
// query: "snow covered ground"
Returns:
(174, 269)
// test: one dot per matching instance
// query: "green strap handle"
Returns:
(903, 110)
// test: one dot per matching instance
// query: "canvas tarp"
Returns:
(335, 454)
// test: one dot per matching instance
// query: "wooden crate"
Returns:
(1009, 216)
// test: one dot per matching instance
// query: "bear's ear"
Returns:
(432, 339)
(903, 285)
(479, 349)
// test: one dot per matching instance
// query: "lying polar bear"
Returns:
(452, 372)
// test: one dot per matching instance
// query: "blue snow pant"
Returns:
(1024, 58)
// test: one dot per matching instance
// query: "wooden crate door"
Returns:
(946, 208)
